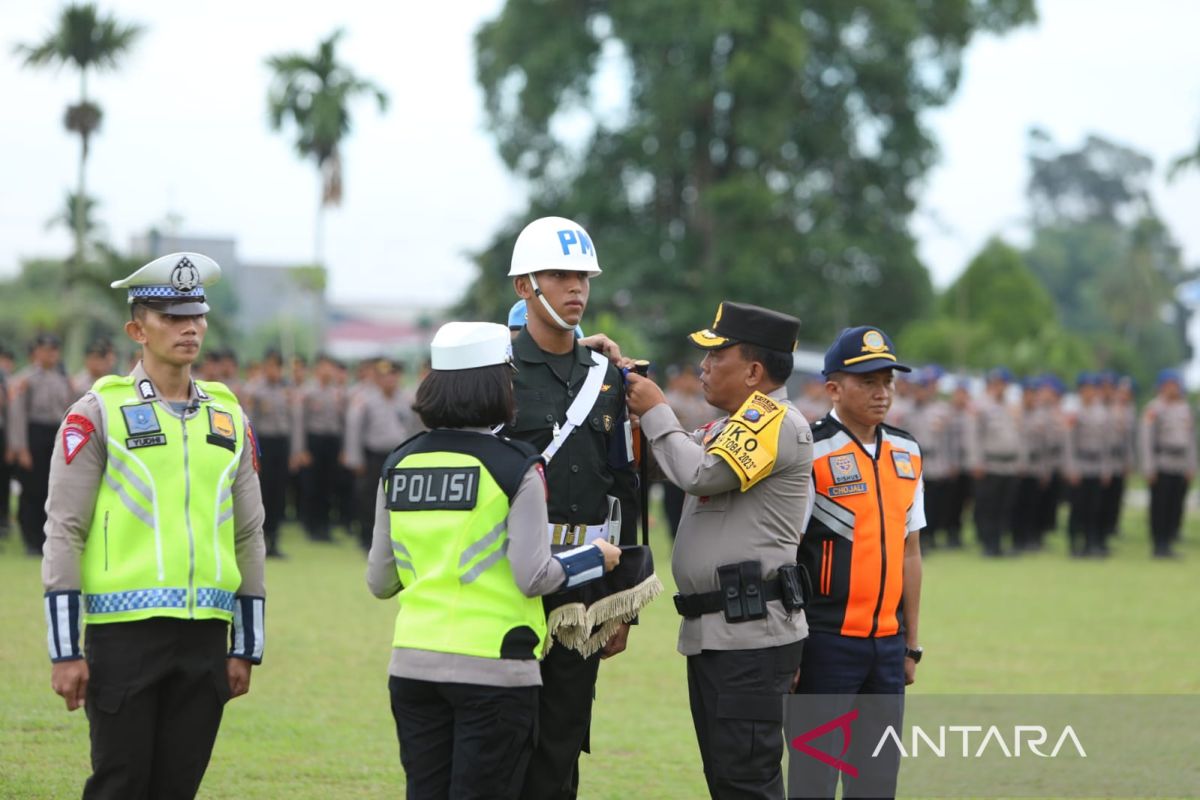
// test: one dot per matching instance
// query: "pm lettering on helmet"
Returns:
(567, 238)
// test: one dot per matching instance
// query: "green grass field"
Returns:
(316, 723)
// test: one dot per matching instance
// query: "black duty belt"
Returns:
(697, 605)
(1171, 451)
(1000, 458)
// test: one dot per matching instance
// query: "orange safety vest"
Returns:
(853, 547)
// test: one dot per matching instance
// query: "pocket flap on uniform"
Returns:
(110, 698)
(757, 707)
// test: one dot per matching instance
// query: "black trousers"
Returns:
(35, 485)
(960, 495)
(1167, 495)
(994, 499)
(155, 696)
(939, 494)
(461, 741)
(737, 709)
(273, 476)
(1025, 513)
(368, 487)
(1110, 506)
(1084, 522)
(321, 479)
(1048, 500)
(836, 669)
(564, 722)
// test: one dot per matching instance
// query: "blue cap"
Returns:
(1087, 379)
(1000, 374)
(1172, 375)
(861, 349)
(517, 315)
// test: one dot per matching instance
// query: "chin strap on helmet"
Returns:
(559, 321)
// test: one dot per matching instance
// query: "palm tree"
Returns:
(88, 41)
(314, 93)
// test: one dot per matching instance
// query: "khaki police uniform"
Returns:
(740, 526)
(1053, 458)
(692, 412)
(269, 407)
(1167, 439)
(1089, 471)
(1122, 430)
(38, 399)
(998, 450)
(156, 650)
(376, 423)
(930, 424)
(318, 423)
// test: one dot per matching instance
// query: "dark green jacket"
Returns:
(595, 460)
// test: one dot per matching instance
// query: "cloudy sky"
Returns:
(185, 133)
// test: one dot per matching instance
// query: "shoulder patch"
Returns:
(77, 429)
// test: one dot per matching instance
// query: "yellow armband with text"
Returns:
(749, 442)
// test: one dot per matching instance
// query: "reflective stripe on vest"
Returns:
(459, 592)
(161, 540)
(854, 544)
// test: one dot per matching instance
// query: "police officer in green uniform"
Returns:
(747, 481)
(571, 407)
(460, 534)
(154, 540)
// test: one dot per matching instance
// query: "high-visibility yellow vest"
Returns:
(448, 494)
(161, 541)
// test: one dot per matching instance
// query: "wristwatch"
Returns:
(914, 653)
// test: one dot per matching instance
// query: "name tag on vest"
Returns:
(433, 489)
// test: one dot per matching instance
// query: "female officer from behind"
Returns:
(460, 536)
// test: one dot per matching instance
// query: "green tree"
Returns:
(767, 152)
(1104, 254)
(313, 93)
(90, 42)
(997, 313)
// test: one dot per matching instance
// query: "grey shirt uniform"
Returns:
(73, 489)
(930, 424)
(377, 422)
(1053, 458)
(998, 445)
(1088, 452)
(1122, 430)
(37, 395)
(319, 410)
(1167, 438)
(269, 407)
(535, 571)
(723, 525)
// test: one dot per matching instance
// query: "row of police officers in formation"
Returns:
(1018, 451)
(1018, 454)
(322, 433)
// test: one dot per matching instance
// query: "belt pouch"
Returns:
(729, 577)
(752, 590)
